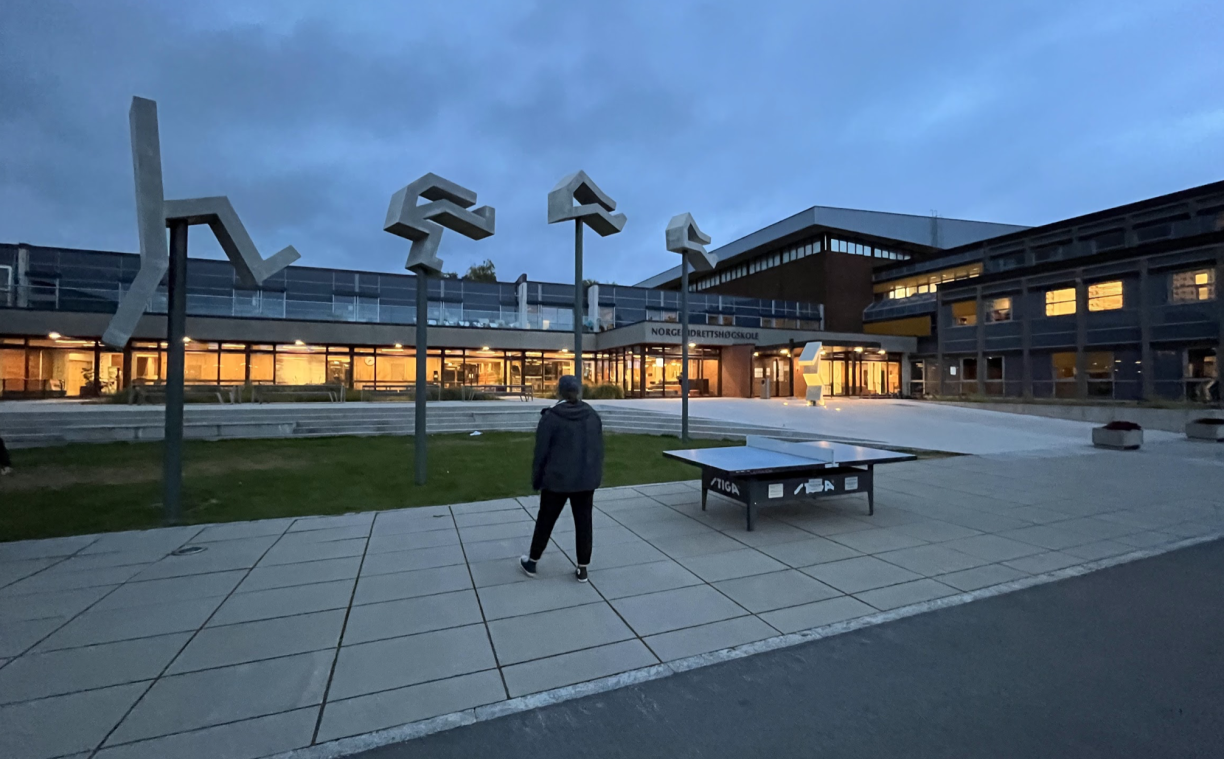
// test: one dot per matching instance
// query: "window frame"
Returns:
(1103, 301)
(1061, 301)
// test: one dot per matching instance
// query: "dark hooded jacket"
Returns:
(569, 449)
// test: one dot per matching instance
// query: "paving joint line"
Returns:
(314, 735)
(348, 746)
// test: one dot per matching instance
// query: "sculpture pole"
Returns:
(422, 351)
(682, 236)
(176, 329)
(593, 209)
(684, 347)
(153, 214)
(578, 303)
(447, 208)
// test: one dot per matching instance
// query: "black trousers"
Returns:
(5, 461)
(551, 505)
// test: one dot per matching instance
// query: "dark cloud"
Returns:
(309, 114)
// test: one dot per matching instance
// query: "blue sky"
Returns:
(310, 114)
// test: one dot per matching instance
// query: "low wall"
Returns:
(1167, 419)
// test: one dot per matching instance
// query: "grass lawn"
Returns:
(78, 489)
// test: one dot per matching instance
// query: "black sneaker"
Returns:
(529, 566)
(581, 574)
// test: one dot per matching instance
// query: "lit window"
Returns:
(999, 310)
(964, 313)
(1193, 286)
(1105, 296)
(1060, 302)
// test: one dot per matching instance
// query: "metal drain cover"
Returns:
(188, 550)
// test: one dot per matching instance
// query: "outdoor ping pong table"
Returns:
(765, 471)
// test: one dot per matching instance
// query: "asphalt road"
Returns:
(1126, 662)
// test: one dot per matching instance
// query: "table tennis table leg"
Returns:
(750, 515)
(704, 492)
(870, 491)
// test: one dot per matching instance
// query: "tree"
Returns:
(482, 272)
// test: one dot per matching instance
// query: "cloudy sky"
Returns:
(309, 114)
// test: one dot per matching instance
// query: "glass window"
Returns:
(1105, 296)
(1193, 286)
(1060, 302)
(1063, 365)
(964, 314)
(999, 310)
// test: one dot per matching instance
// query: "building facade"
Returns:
(1122, 304)
(314, 326)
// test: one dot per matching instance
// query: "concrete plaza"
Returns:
(893, 421)
(302, 632)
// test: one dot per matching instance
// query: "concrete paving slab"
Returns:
(12, 571)
(61, 725)
(64, 603)
(859, 574)
(512, 530)
(482, 518)
(405, 561)
(400, 662)
(505, 571)
(77, 669)
(392, 619)
(303, 524)
(576, 667)
(805, 553)
(993, 548)
(670, 527)
(767, 532)
(218, 558)
(173, 589)
(306, 573)
(283, 602)
(549, 633)
(877, 540)
(47, 581)
(730, 564)
(247, 739)
(94, 627)
(1048, 536)
(691, 641)
(478, 507)
(673, 609)
(696, 544)
(817, 614)
(541, 594)
(776, 590)
(419, 582)
(260, 529)
(935, 531)
(18, 635)
(407, 541)
(635, 580)
(328, 535)
(217, 696)
(932, 559)
(264, 639)
(21, 550)
(296, 553)
(1099, 550)
(604, 556)
(378, 711)
(981, 577)
(490, 550)
(895, 596)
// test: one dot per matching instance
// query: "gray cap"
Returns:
(569, 388)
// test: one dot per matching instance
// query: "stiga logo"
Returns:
(726, 486)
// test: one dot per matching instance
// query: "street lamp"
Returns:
(684, 237)
(423, 225)
(594, 208)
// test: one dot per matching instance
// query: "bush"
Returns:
(603, 392)
(1122, 426)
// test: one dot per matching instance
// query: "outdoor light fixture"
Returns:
(484, 347)
(186, 339)
(858, 350)
(399, 346)
(692, 345)
(882, 351)
(298, 342)
(754, 353)
(54, 335)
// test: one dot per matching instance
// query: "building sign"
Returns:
(707, 333)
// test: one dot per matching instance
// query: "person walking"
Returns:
(568, 466)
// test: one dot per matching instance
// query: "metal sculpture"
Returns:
(423, 224)
(578, 198)
(683, 236)
(153, 214)
(809, 365)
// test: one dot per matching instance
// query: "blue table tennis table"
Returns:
(766, 471)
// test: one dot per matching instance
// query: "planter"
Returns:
(1206, 429)
(1122, 440)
